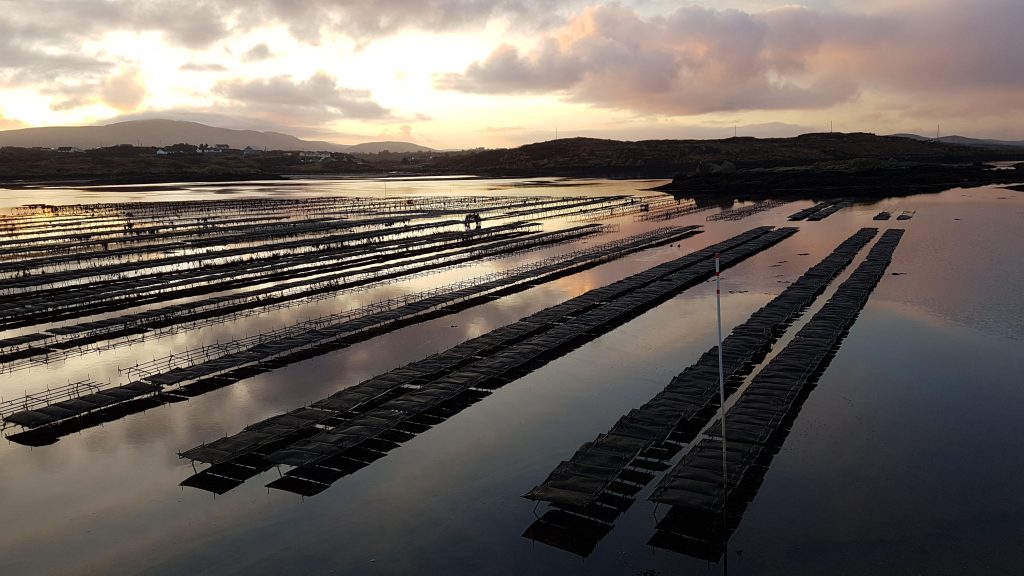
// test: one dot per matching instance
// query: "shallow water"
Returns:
(904, 458)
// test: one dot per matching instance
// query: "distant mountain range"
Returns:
(964, 140)
(166, 132)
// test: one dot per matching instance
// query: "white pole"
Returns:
(721, 374)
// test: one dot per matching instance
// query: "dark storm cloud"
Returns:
(697, 60)
(318, 98)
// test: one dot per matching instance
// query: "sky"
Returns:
(496, 73)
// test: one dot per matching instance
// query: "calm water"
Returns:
(905, 458)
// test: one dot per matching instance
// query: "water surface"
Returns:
(904, 459)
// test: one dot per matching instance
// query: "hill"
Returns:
(829, 160)
(964, 140)
(859, 178)
(156, 133)
(159, 132)
(133, 164)
(668, 158)
(386, 146)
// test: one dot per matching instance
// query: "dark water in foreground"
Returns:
(905, 458)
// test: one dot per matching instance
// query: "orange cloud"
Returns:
(9, 123)
(124, 92)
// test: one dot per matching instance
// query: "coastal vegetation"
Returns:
(738, 165)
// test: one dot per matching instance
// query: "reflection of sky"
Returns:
(967, 270)
(913, 427)
(366, 187)
(907, 445)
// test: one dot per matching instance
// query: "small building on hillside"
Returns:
(311, 156)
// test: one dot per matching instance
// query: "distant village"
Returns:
(184, 149)
(184, 161)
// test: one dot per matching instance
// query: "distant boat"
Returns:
(883, 215)
(907, 215)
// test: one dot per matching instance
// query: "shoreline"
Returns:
(746, 184)
(833, 182)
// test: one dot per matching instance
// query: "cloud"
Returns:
(403, 133)
(256, 53)
(43, 47)
(188, 23)
(507, 71)
(316, 99)
(202, 67)
(198, 24)
(70, 103)
(944, 45)
(124, 92)
(501, 129)
(364, 20)
(699, 60)
(68, 96)
(693, 61)
(24, 61)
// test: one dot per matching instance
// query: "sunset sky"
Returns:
(465, 73)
